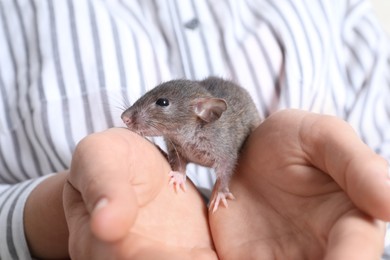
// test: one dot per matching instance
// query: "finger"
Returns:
(75, 213)
(107, 173)
(183, 186)
(81, 244)
(334, 147)
(114, 208)
(73, 204)
(224, 202)
(356, 231)
(108, 197)
(211, 205)
(215, 206)
(230, 196)
(115, 212)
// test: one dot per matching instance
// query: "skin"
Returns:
(143, 216)
(302, 196)
(44, 213)
(301, 193)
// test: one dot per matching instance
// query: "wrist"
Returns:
(44, 220)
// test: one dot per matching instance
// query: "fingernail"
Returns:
(100, 204)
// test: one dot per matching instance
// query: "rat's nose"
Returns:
(126, 119)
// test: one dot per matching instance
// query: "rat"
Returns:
(204, 122)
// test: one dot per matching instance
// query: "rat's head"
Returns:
(168, 107)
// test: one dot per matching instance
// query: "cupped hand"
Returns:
(306, 187)
(118, 203)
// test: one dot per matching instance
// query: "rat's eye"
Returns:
(162, 102)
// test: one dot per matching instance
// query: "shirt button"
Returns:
(192, 24)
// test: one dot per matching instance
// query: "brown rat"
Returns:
(204, 122)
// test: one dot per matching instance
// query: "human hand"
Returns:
(118, 203)
(306, 188)
(44, 222)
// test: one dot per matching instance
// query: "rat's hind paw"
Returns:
(221, 196)
(178, 179)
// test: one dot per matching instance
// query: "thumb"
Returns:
(361, 173)
(114, 211)
(103, 183)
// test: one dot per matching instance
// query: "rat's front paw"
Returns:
(178, 179)
(220, 196)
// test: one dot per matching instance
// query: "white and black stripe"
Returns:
(57, 58)
(79, 67)
(12, 240)
(66, 65)
(40, 118)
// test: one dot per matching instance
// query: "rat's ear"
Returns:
(209, 109)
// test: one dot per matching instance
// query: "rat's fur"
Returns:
(206, 122)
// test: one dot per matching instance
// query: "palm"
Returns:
(286, 207)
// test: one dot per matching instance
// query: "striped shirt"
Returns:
(69, 68)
